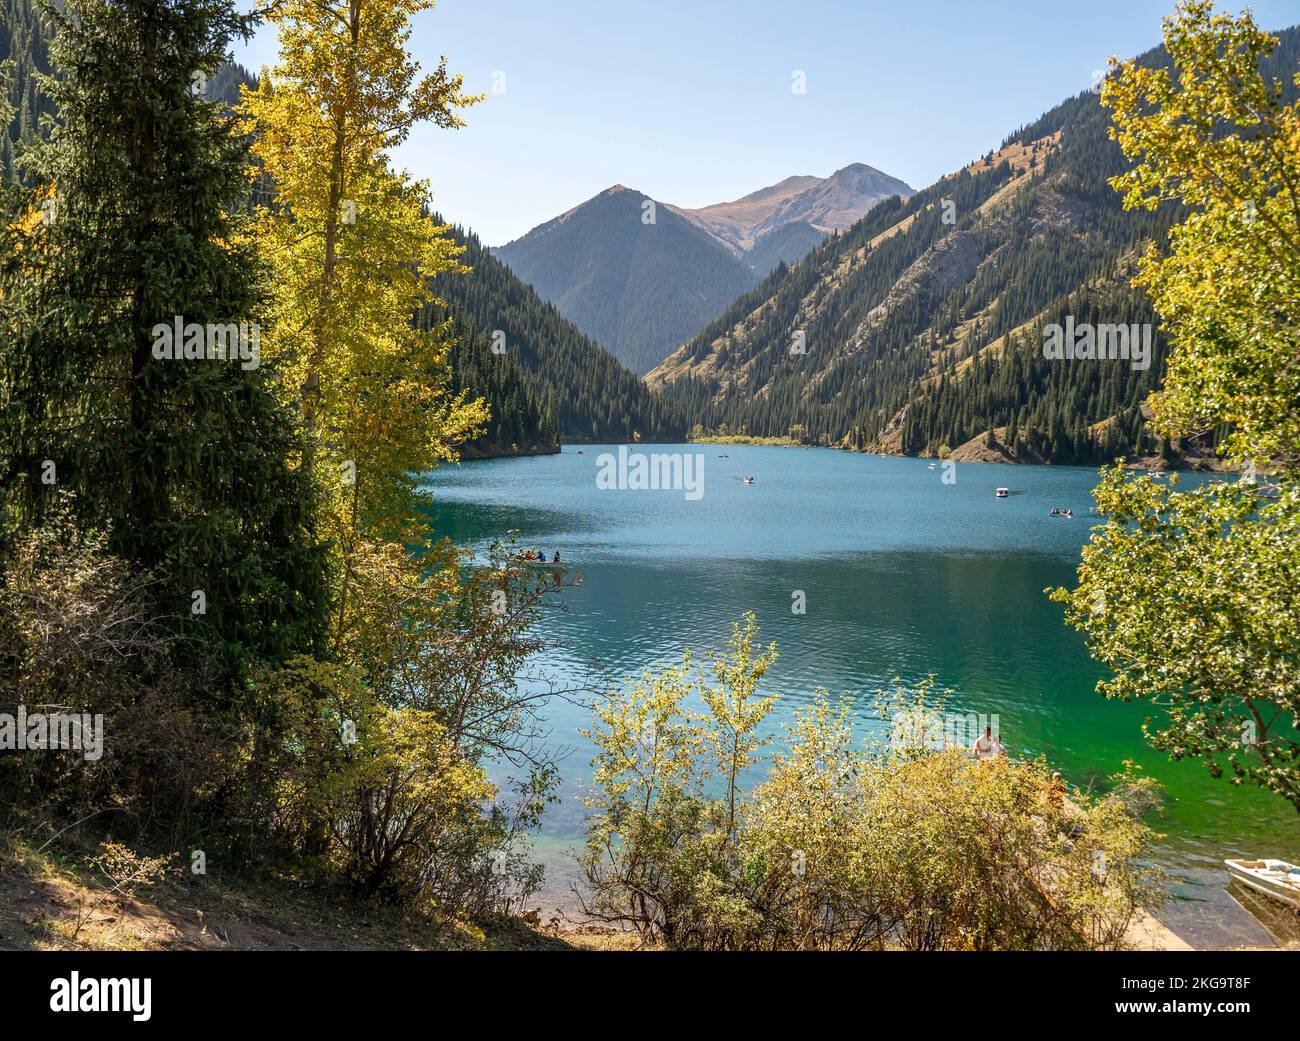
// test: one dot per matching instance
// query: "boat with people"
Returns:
(749, 480)
(1278, 879)
(538, 559)
(1002, 493)
(1058, 512)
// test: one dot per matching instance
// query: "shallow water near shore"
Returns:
(903, 575)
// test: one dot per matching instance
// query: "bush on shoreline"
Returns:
(894, 844)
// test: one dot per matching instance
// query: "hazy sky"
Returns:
(692, 102)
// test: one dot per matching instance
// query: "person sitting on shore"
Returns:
(983, 747)
(556, 560)
(1056, 790)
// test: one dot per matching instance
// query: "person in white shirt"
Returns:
(984, 745)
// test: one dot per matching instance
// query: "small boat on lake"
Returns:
(749, 480)
(541, 563)
(1002, 493)
(1274, 878)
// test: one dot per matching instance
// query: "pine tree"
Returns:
(128, 230)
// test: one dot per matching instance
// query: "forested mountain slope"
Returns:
(22, 42)
(524, 417)
(921, 329)
(590, 396)
(224, 86)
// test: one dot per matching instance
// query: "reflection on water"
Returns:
(1281, 922)
(903, 576)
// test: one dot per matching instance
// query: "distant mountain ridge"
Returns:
(635, 276)
(825, 204)
(640, 276)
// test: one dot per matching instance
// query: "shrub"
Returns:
(842, 846)
(80, 632)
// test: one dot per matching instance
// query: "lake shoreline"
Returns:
(1199, 464)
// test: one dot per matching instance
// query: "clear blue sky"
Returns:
(691, 102)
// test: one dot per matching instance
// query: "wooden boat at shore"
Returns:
(1274, 878)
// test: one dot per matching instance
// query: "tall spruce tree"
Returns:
(132, 225)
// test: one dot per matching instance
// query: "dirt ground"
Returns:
(50, 901)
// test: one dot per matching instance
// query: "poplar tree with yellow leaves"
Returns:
(1192, 598)
(351, 247)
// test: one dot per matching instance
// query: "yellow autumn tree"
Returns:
(402, 807)
(1219, 136)
(1192, 597)
(351, 246)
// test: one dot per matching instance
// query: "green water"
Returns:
(903, 574)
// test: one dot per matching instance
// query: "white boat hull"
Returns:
(1274, 878)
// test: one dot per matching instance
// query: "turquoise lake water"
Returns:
(903, 576)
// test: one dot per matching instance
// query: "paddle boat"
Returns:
(1002, 493)
(543, 563)
(749, 480)
(1274, 878)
